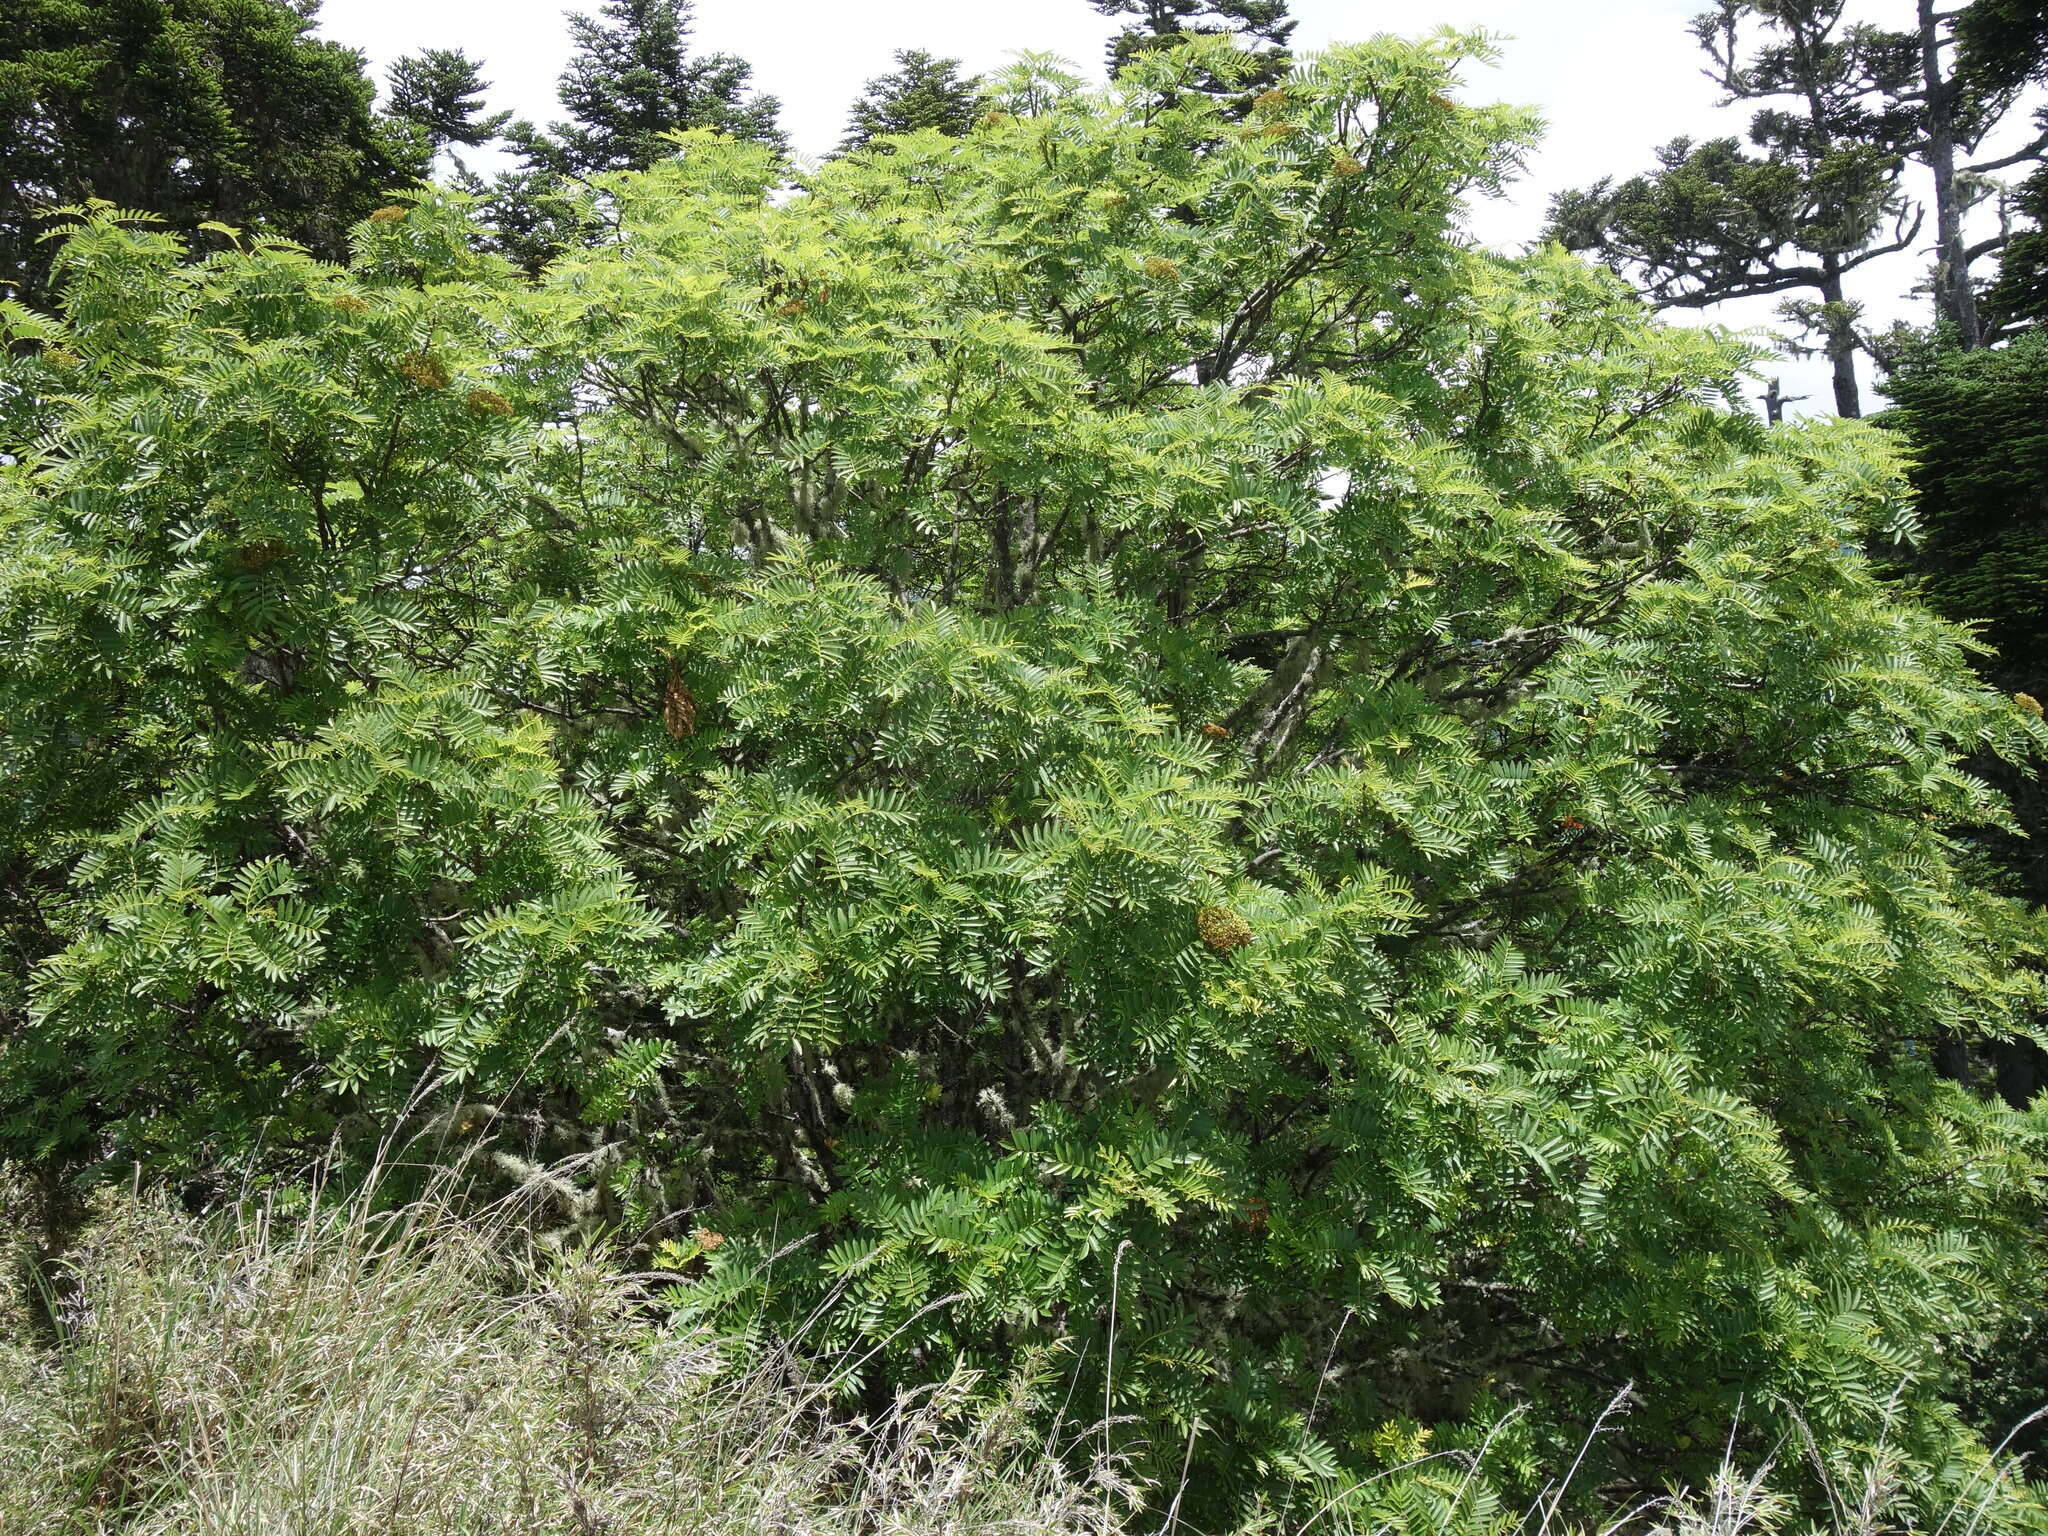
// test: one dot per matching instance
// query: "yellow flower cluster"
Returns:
(1222, 929)
(423, 369)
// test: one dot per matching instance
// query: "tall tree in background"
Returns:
(2002, 47)
(193, 110)
(1971, 399)
(632, 82)
(1818, 197)
(1965, 70)
(921, 92)
(2019, 294)
(1261, 25)
(440, 92)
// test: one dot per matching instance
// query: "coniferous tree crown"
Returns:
(1263, 26)
(229, 111)
(923, 91)
(631, 83)
(441, 92)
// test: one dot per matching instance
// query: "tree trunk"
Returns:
(1840, 329)
(1955, 304)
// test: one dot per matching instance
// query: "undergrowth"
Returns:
(419, 1373)
(341, 1371)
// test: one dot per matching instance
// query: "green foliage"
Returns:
(2019, 295)
(440, 92)
(195, 110)
(921, 92)
(433, 1371)
(1717, 222)
(1262, 26)
(631, 84)
(1098, 739)
(1714, 220)
(630, 87)
(1976, 424)
(1263, 20)
(2002, 44)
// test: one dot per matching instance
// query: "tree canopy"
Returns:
(631, 83)
(440, 91)
(1820, 199)
(1261, 27)
(228, 111)
(1098, 746)
(1844, 105)
(921, 92)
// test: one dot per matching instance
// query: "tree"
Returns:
(2002, 46)
(2018, 296)
(922, 92)
(1098, 745)
(192, 110)
(1971, 65)
(1263, 25)
(1863, 100)
(1975, 424)
(1717, 222)
(1978, 428)
(440, 91)
(630, 87)
(632, 83)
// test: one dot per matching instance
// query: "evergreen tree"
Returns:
(2002, 46)
(1965, 70)
(1261, 25)
(1852, 103)
(1978, 425)
(192, 110)
(1817, 198)
(921, 92)
(2018, 296)
(632, 82)
(440, 91)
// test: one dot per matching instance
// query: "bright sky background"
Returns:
(1613, 78)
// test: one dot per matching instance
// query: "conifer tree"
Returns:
(440, 91)
(632, 82)
(2002, 48)
(921, 92)
(1261, 25)
(190, 110)
(2018, 295)
(1817, 198)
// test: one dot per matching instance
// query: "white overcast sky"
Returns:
(1613, 78)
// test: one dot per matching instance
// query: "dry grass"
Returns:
(428, 1373)
(400, 1375)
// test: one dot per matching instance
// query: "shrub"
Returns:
(776, 780)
